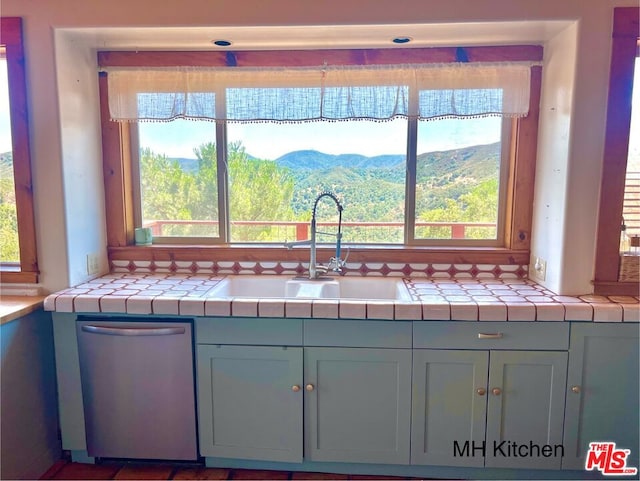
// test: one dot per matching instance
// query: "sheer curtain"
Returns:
(379, 92)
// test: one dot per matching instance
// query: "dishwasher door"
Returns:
(138, 389)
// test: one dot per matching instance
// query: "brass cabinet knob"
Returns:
(481, 391)
(575, 389)
(309, 387)
(496, 391)
(295, 388)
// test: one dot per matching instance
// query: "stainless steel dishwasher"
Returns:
(138, 388)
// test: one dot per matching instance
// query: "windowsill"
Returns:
(14, 307)
(9, 275)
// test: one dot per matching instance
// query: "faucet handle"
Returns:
(322, 269)
(335, 264)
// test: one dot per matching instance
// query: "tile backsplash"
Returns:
(425, 270)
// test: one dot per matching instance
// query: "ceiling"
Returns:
(317, 36)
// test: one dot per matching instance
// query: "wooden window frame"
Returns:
(623, 53)
(519, 205)
(26, 271)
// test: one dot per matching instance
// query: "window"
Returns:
(18, 261)
(363, 162)
(276, 170)
(630, 241)
(404, 181)
(177, 186)
(461, 176)
(9, 245)
(624, 50)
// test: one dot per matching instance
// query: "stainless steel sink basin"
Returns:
(268, 286)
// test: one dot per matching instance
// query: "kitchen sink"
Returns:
(268, 286)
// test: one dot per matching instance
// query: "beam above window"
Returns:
(303, 58)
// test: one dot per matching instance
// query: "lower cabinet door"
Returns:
(357, 405)
(525, 409)
(449, 407)
(250, 402)
(602, 392)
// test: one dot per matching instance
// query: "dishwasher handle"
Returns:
(133, 331)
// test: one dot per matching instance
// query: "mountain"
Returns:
(191, 165)
(188, 165)
(374, 187)
(314, 160)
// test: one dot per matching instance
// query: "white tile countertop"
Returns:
(432, 299)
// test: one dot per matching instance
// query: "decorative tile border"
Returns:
(429, 271)
(432, 299)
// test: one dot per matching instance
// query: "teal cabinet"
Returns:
(602, 391)
(449, 406)
(525, 409)
(269, 402)
(250, 402)
(488, 408)
(357, 405)
(488, 394)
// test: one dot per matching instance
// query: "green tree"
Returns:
(9, 247)
(205, 204)
(259, 190)
(480, 204)
(167, 191)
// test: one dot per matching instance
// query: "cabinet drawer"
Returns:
(258, 331)
(346, 333)
(491, 335)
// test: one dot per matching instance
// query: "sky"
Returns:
(270, 141)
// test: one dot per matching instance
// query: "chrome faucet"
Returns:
(335, 263)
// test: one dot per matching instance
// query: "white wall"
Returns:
(67, 188)
(552, 166)
(79, 108)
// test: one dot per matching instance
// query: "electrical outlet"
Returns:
(539, 268)
(93, 264)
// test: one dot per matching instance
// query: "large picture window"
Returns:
(421, 155)
(282, 137)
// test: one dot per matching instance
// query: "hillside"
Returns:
(373, 187)
(477, 162)
(314, 160)
(450, 174)
(6, 164)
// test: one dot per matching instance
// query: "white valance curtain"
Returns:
(380, 92)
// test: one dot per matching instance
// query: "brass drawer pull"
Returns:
(481, 391)
(494, 335)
